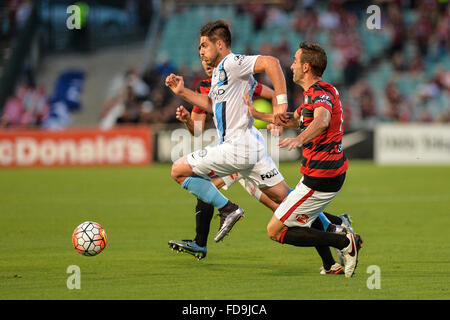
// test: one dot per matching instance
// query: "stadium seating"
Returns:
(180, 31)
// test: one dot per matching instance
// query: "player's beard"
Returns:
(299, 77)
(214, 60)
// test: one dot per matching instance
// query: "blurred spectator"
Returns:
(412, 42)
(428, 91)
(417, 64)
(256, 10)
(398, 61)
(134, 109)
(128, 101)
(444, 116)
(442, 79)
(305, 21)
(422, 30)
(397, 106)
(329, 20)
(364, 96)
(349, 46)
(397, 27)
(276, 17)
(29, 107)
(164, 66)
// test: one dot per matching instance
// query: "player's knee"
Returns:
(273, 234)
(218, 182)
(176, 173)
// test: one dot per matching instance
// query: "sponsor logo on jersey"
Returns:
(239, 58)
(324, 98)
(302, 218)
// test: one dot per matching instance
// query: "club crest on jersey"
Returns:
(202, 153)
(223, 78)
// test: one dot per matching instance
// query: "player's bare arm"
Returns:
(286, 119)
(194, 122)
(176, 84)
(184, 116)
(269, 94)
(322, 118)
(268, 117)
(198, 123)
(271, 66)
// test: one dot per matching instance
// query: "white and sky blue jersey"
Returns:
(230, 79)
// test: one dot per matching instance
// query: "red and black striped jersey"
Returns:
(205, 86)
(323, 157)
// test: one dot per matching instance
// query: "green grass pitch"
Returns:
(401, 212)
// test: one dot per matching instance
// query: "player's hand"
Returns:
(175, 83)
(276, 131)
(291, 143)
(282, 119)
(182, 114)
(251, 109)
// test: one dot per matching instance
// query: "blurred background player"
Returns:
(324, 164)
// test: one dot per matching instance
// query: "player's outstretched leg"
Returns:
(229, 215)
(329, 265)
(349, 244)
(204, 213)
(197, 247)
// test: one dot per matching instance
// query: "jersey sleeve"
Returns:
(323, 99)
(258, 90)
(242, 65)
(196, 109)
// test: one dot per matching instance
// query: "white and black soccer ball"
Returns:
(89, 238)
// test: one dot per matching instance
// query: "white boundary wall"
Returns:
(412, 144)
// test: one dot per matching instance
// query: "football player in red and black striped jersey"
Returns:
(324, 165)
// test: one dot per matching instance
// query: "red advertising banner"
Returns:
(76, 147)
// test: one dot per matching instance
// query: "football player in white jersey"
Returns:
(242, 148)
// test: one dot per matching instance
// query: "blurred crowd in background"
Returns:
(398, 73)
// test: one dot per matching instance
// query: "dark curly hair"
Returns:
(217, 30)
(315, 56)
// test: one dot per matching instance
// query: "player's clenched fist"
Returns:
(182, 114)
(175, 83)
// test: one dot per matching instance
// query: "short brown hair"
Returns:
(217, 30)
(315, 56)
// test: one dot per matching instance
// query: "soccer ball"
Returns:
(89, 238)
